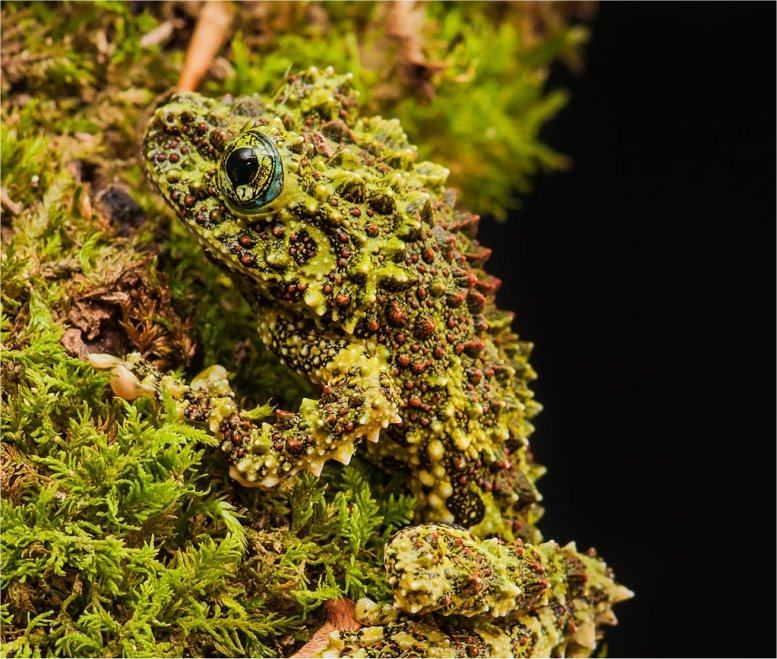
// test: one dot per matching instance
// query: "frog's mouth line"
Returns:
(220, 254)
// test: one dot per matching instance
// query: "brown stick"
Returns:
(210, 33)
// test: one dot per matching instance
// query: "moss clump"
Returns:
(122, 534)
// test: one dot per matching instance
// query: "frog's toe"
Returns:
(212, 379)
(103, 361)
(124, 383)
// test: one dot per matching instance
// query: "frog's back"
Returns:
(421, 297)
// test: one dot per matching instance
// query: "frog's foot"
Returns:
(130, 379)
(442, 569)
(133, 377)
(340, 617)
(358, 403)
(507, 600)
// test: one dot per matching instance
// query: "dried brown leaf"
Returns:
(341, 616)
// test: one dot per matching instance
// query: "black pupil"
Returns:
(242, 165)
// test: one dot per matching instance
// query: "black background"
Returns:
(646, 279)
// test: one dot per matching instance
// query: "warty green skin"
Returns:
(435, 568)
(459, 596)
(367, 281)
(560, 629)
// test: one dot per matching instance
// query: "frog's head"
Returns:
(239, 180)
(306, 204)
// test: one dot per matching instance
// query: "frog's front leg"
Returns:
(357, 401)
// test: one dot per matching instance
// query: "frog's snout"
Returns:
(184, 139)
(178, 109)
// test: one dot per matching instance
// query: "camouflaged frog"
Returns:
(366, 280)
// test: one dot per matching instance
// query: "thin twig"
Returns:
(210, 34)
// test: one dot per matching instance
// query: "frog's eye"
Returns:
(250, 173)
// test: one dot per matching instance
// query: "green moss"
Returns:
(121, 533)
(122, 528)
